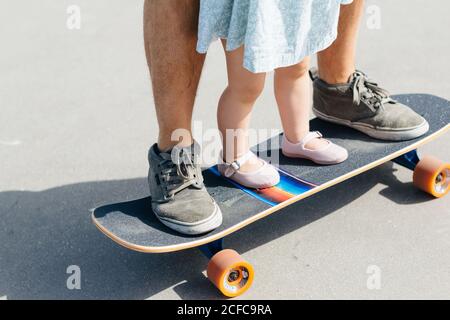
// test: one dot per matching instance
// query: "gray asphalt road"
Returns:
(76, 121)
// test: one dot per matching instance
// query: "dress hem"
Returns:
(280, 61)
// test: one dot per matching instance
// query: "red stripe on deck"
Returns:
(275, 195)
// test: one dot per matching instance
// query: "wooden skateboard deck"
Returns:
(133, 224)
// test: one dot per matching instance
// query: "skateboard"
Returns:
(133, 225)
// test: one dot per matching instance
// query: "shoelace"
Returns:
(184, 164)
(178, 173)
(363, 88)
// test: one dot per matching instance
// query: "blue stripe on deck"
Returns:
(288, 183)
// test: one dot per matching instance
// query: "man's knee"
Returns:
(170, 32)
(173, 5)
(182, 13)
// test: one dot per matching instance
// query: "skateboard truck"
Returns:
(408, 160)
(210, 249)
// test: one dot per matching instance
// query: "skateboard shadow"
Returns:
(133, 208)
(45, 232)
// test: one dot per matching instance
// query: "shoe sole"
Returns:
(326, 163)
(388, 135)
(197, 228)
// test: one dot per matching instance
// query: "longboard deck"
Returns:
(133, 224)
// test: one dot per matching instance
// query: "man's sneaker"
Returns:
(179, 197)
(361, 104)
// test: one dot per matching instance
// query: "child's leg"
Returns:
(235, 107)
(293, 95)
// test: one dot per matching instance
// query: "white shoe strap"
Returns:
(233, 167)
(311, 136)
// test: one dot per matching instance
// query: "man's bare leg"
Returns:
(339, 87)
(170, 32)
(179, 200)
(337, 63)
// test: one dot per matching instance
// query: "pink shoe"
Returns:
(331, 154)
(265, 177)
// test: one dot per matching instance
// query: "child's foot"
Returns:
(251, 172)
(314, 148)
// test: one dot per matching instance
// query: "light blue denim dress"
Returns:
(275, 33)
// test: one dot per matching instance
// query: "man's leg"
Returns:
(337, 63)
(345, 96)
(179, 198)
(170, 32)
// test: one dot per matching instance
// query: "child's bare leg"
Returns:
(293, 95)
(235, 107)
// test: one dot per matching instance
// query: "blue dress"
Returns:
(275, 33)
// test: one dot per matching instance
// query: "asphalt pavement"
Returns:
(76, 121)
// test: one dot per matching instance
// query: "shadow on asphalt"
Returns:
(42, 233)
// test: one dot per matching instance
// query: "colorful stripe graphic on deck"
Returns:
(289, 187)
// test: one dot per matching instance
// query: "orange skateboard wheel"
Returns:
(432, 176)
(231, 274)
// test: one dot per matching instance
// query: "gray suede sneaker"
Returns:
(179, 198)
(361, 104)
